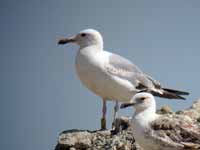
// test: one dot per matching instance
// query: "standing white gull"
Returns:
(154, 132)
(109, 75)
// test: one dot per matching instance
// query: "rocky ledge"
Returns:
(121, 138)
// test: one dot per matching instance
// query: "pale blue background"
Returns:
(40, 92)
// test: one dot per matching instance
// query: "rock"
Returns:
(121, 138)
(91, 140)
(165, 110)
(193, 112)
(76, 138)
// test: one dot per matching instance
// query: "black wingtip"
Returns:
(180, 97)
(176, 91)
(167, 94)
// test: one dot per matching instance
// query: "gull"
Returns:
(153, 132)
(109, 75)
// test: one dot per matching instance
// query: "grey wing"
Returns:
(175, 132)
(120, 62)
(123, 68)
(160, 141)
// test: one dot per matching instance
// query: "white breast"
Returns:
(90, 69)
(142, 132)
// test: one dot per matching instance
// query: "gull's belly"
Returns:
(143, 136)
(93, 76)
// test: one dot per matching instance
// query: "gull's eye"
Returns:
(142, 98)
(83, 34)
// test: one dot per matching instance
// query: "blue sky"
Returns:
(40, 92)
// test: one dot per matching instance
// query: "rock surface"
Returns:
(121, 138)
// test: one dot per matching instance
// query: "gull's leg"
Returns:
(103, 119)
(116, 108)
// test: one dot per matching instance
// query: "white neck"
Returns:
(145, 116)
(98, 44)
(90, 49)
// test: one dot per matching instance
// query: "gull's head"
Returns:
(141, 102)
(85, 38)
